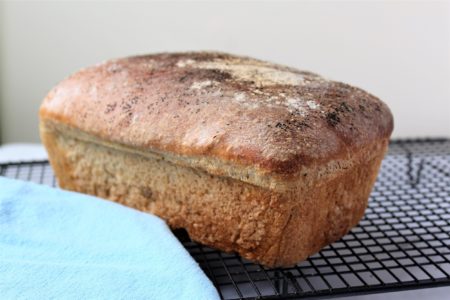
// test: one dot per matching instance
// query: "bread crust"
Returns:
(262, 118)
(248, 156)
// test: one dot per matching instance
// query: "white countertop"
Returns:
(22, 152)
(31, 152)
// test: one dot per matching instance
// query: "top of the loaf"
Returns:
(238, 110)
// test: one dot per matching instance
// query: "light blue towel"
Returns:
(56, 244)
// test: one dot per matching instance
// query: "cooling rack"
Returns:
(403, 241)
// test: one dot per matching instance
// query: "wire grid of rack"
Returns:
(403, 241)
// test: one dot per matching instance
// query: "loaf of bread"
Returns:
(248, 156)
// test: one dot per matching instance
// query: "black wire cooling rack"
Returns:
(403, 242)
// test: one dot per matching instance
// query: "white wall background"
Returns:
(399, 51)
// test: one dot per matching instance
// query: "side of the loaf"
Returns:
(274, 228)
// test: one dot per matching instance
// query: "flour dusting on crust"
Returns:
(198, 85)
(260, 75)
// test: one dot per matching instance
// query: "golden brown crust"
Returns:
(270, 118)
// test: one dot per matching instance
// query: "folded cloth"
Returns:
(66, 245)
